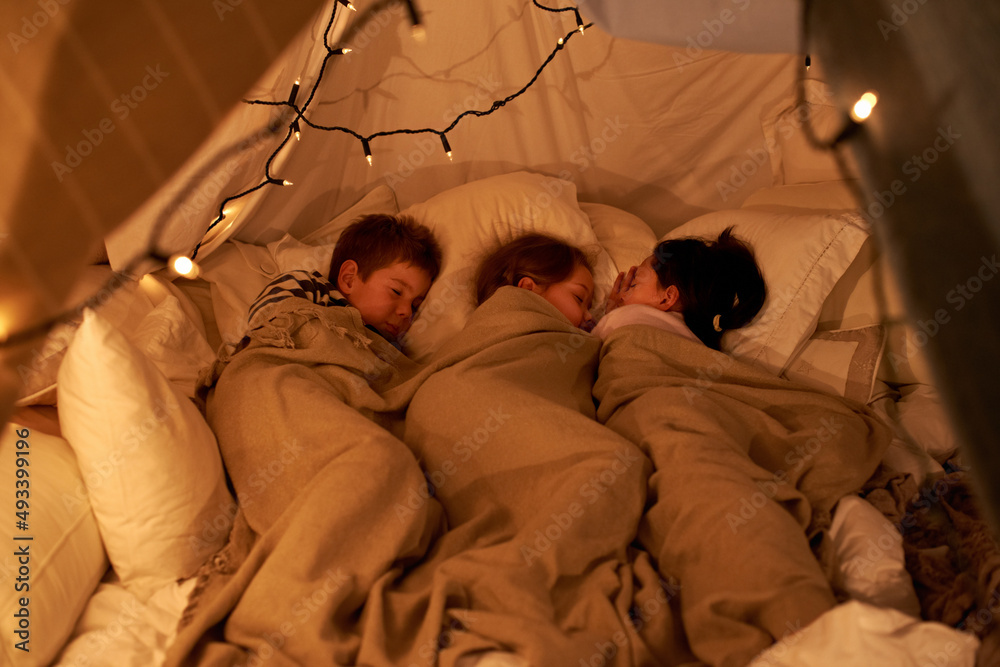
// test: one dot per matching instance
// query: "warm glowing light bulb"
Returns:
(446, 145)
(183, 266)
(863, 107)
(559, 41)
(419, 33)
(286, 183)
(368, 151)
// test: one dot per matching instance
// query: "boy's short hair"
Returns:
(378, 240)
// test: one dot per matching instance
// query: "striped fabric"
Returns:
(309, 285)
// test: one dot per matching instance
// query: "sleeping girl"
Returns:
(694, 288)
(535, 491)
(747, 466)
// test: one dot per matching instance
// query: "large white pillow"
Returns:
(471, 219)
(802, 256)
(153, 470)
(65, 558)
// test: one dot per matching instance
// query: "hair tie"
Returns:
(715, 322)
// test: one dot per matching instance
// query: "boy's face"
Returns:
(389, 298)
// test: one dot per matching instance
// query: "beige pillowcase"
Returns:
(66, 556)
(842, 362)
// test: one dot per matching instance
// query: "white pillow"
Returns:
(802, 256)
(153, 471)
(65, 556)
(625, 236)
(869, 559)
(167, 337)
(472, 219)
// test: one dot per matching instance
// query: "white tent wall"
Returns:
(665, 133)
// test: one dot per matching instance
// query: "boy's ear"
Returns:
(670, 299)
(347, 276)
(529, 284)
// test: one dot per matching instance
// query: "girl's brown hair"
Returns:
(542, 258)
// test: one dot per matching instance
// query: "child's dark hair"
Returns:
(376, 241)
(720, 283)
(542, 258)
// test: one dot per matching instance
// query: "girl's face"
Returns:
(645, 287)
(572, 296)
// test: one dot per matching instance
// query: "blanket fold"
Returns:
(542, 505)
(748, 468)
(299, 420)
(513, 533)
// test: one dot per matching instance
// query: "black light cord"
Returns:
(130, 272)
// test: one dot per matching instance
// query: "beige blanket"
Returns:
(748, 467)
(330, 561)
(317, 480)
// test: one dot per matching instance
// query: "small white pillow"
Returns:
(65, 559)
(625, 236)
(167, 337)
(868, 553)
(802, 256)
(153, 471)
(472, 219)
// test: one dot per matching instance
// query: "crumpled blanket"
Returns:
(748, 467)
(300, 423)
(951, 552)
(542, 504)
(516, 535)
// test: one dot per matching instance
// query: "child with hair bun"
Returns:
(694, 287)
(747, 468)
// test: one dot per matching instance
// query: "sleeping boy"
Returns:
(382, 265)
(301, 413)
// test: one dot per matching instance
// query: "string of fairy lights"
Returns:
(294, 116)
(290, 122)
(294, 129)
